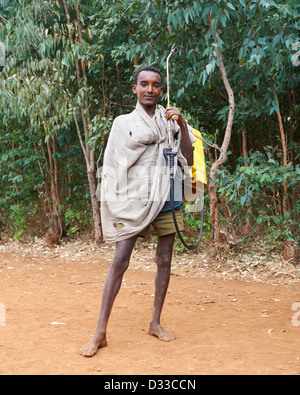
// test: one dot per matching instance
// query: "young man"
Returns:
(134, 194)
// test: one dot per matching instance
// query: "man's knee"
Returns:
(163, 260)
(120, 263)
(122, 256)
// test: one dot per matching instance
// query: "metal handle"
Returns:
(175, 117)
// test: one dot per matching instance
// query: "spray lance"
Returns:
(170, 154)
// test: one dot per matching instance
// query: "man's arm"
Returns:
(186, 144)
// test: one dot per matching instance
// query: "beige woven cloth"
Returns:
(135, 179)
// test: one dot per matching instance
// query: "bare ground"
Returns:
(231, 316)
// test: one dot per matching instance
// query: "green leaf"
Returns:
(223, 19)
(209, 68)
(230, 6)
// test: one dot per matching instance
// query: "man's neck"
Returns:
(149, 110)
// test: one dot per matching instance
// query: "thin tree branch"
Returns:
(81, 142)
(34, 46)
(2, 17)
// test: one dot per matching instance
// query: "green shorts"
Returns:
(164, 224)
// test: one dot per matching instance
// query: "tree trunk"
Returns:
(88, 153)
(244, 130)
(95, 207)
(92, 187)
(214, 214)
(44, 195)
(244, 145)
(284, 151)
(56, 222)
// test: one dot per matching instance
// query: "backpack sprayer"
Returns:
(169, 155)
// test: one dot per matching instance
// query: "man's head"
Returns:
(147, 68)
(148, 87)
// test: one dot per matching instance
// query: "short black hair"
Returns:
(147, 68)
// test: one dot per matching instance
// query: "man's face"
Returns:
(148, 88)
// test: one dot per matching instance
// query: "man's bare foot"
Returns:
(91, 348)
(161, 333)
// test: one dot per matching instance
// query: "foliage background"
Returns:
(69, 70)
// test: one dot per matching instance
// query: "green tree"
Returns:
(45, 82)
(69, 69)
(242, 44)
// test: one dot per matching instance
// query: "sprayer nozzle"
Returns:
(174, 49)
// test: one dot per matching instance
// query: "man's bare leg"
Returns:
(162, 278)
(111, 288)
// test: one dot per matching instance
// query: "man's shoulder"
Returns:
(125, 117)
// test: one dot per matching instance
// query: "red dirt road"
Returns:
(224, 325)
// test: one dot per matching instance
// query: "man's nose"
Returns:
(150, 88)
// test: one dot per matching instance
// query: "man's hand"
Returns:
(186, 145)
(175, 114)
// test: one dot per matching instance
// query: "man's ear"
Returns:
(134, 89)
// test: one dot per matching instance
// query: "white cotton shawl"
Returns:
(135, 179)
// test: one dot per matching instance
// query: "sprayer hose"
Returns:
(193, 246)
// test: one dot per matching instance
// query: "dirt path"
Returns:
(224, 325)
